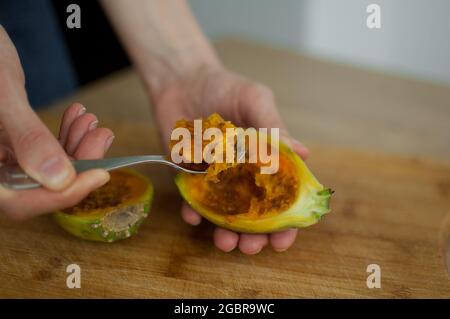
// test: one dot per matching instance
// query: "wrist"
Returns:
(164, 74)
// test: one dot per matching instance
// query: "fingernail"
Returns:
(254, 252)
(109, 142)
(93, 125)
(280, 250)
(54, 172)
(81, 111)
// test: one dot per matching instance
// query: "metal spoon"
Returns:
(13, 177)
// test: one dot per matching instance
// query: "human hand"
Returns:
(246, 104)
(32, 145)
(26, 140)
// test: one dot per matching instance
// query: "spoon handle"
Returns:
(117, 162)
(13, 177)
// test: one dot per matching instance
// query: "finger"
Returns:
(20, 205)
(189, 215)
(3, 154)
(300, 149)
(281, 241)
(79, 128)
(72, 112)
(94, 144)
(251, 244)
(293, 144)
(257, 107)
(36, 149)
(6, 155)
(259, 110)
(4, 139)
(225, 240)
(167, 116)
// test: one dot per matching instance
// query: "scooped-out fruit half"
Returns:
(240, 198)
(113, 212)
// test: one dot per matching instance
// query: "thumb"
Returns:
(36, 149)
(259, 110)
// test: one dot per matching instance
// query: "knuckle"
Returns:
(81, 122)
(32, 138)
(257, 91)
(88, 117)
(265, 91)
(103, 132)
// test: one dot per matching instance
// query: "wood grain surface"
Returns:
(380, 141)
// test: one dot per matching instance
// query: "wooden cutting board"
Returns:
(388, 210)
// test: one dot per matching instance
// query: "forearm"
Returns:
(162, 39)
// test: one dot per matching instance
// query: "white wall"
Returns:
(414, 39)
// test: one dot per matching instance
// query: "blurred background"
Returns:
(413, 39)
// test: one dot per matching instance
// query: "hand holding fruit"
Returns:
(246, 104)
